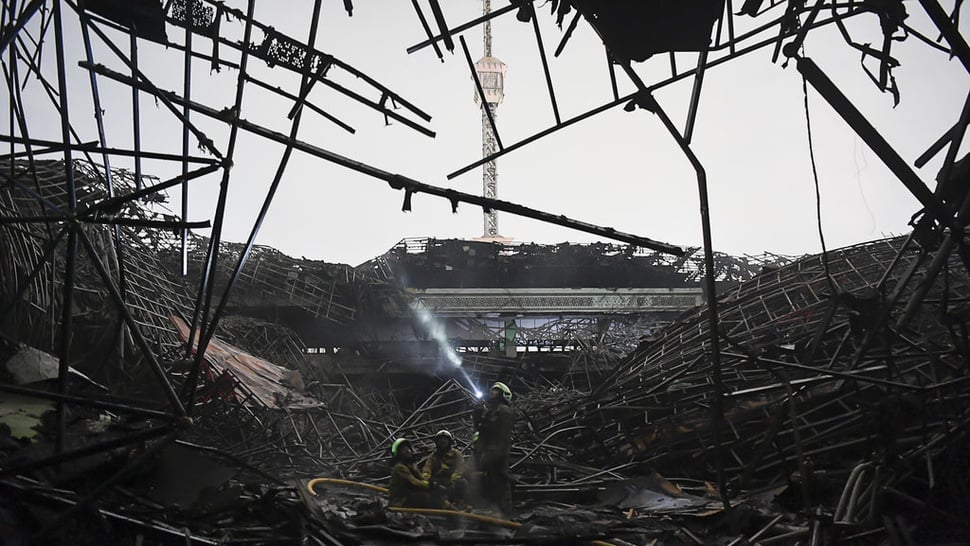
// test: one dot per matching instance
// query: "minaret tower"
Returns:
(491, 73)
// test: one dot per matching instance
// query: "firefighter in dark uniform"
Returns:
(492, 443)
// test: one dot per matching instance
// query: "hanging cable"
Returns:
(818, 194)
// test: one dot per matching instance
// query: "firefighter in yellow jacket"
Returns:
(407, 488)
(445, 468)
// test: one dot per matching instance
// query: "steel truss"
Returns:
(76, 211)
(783, 27)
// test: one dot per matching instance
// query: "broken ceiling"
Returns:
(822, 399)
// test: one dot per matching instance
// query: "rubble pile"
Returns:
(838, 417)
(826, 384)
(159, 387)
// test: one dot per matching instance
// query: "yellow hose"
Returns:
(508, 524)
(312, 483)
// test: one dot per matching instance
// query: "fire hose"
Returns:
(508, 524)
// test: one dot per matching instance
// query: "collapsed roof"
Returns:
(841, 378)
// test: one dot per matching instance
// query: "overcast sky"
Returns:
(618, 169)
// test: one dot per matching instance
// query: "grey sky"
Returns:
(617, 169)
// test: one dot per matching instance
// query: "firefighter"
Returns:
(492, 442)
(445, 468)
(407, 488)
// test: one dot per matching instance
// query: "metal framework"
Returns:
(785, 32)
(76, 209)
(817, 371)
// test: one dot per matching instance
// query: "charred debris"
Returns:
(160, 387)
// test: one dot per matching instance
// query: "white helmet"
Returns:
(506, 391)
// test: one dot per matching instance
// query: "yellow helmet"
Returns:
(397, 445)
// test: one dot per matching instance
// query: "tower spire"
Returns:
(491, 74)
(487, 35)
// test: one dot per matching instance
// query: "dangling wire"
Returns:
(818, 194)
